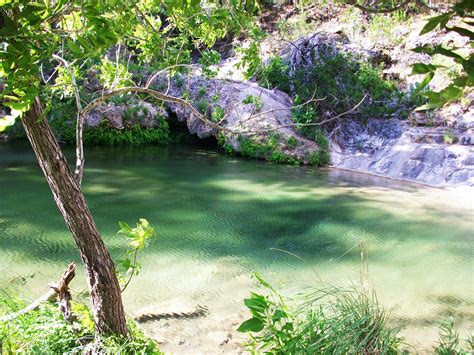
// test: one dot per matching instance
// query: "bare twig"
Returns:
(391, 9)
(314, 124)
(79, 168)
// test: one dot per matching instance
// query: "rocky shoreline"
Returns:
(399, 151)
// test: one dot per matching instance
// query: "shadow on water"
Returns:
(204, 203)
(226, 215)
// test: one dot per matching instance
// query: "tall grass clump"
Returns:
(44, 331)
(449, 344)
(329, 321)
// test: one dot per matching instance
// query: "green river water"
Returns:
(220, 218)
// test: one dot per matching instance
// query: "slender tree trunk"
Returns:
(100, 271)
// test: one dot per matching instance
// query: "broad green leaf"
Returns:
(433, 96)
(434, 22)
(468, 66)
(257, 303)
(124, 226)
(251, 325)
(461, 81)
(75, 49)
(424, 83)
(451, 93)
(429, 106)
(462, 32)
(21, 106)
(420, 68)
(446, 52)
(278, 315)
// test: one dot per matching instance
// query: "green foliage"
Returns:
(62, 112)
(256, 101)
(222, 142)
(270, 150)
(135, 135)
(448, 339)
(343, 80)
(209, 59)
(113, 75)
(63, 83)
(44, 331)
(462, 81)
(274, 75)
(32, 32)
(319, 158)
(292, 142)
(203, 105)
(449, 137)
(139, 238)
(160, 33)
(250, 55)
(217, 114)
(448, 343)
(350, 322)
(202, 91)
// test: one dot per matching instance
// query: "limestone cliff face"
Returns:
(394, 149)
(244, 111)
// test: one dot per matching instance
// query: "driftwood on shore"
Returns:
(59, 289)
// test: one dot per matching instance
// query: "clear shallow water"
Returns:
(220, 218)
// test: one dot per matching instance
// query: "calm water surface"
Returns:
(220, 218)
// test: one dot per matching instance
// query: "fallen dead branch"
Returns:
(59, 289)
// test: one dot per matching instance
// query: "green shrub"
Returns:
(265, 150)
(217, 114)
(448, 343)
(62, 115)
(44, 331)
(274, 75)
(349, 322)
(292, 142)
(202, 106)
(343, 80)
(256, 101)
(319, 158)
(135, 135)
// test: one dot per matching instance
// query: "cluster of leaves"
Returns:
(207, 61)
(351, 322)
(62, 112)
(33, 31)
(270, 150)
(256, 101)
(139, 238)
(160, 33)
(113, 74)
(250, 55)
(134, 135)
(342, 81)
(449, 340)
(461, 11)
(44, 331)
